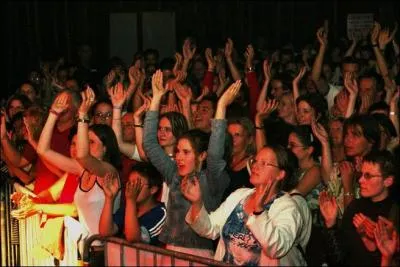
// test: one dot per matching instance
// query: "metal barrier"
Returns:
(120, 252)
(9, 246)
(29, 239)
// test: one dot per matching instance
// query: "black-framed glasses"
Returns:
(261, 163)
(101, 115)
(293, 145)
(369, 176)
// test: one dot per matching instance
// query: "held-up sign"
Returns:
(359, 25)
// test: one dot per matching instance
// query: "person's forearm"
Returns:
(195, 210)
(380, 60)
(326, 162)
(317, 66)
(386, 261)
(155, 103)
(220, 112)
(106, 225)
(233, 69)
(57, 209)
(187, 112)
(350, 106)
(132, 227)
(394, 117)
(13, 155)
(185, 65)
(351, 49)
(116, 123)
(261, 139)
(46, 134)
(263, 94)
(19, 173)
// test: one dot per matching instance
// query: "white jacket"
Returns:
(278, 230)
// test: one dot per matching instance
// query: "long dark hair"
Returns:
(107, 136)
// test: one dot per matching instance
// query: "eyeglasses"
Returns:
(165, 129)
(369, 176)
(292, 145)
(103, 116)
(261, 163)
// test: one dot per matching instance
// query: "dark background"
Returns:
(50, 29)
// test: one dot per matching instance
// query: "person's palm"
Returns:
(328, 208)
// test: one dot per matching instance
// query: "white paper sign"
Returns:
(359, 24)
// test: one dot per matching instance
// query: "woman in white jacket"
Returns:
(260, 226)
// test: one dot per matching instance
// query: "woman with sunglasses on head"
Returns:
(197, 155)
(264, 226)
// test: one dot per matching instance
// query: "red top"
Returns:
(44, 178)
(68, 191)
(254, 92)
(208, 80)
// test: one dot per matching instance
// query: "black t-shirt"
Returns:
(353, 246)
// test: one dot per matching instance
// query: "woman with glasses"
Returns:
(263, 226)
(366, 235)
(102, 112)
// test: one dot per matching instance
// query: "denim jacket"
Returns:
(213, 182)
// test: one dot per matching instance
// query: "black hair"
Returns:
(381, 105)
(307, 139)
(147, 170)
(26, 102)
(178, 122)
(107, 136)
(317, 102)
(167, 63)
(387, 162)
(101, 101)
(369, 127)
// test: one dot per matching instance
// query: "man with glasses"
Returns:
(366, 235)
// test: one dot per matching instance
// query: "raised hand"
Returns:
(187, 52)
(178, 63)
(210, 60)
(3, 129)
(320, 132)
(204, 91)
(329, 208)
(110, 185)
(117, 95)
(190, 188)
(259, 199)
(386, 237)
(386, 37)
(364, 225)
(267, 70)
(230, 94)
(157, 84)
(249, 55)
(88, 100)
(300, 75)
(183, 93)
(350, 85)
(180, 76)
(110, 78)
(375, 33)
(60, 104)
(133, 189)
(322, 37)
(228, 48)
(267, 107)
(137, 116)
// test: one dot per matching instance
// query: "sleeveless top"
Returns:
(90, 205)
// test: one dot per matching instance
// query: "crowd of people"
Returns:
(271, 158)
